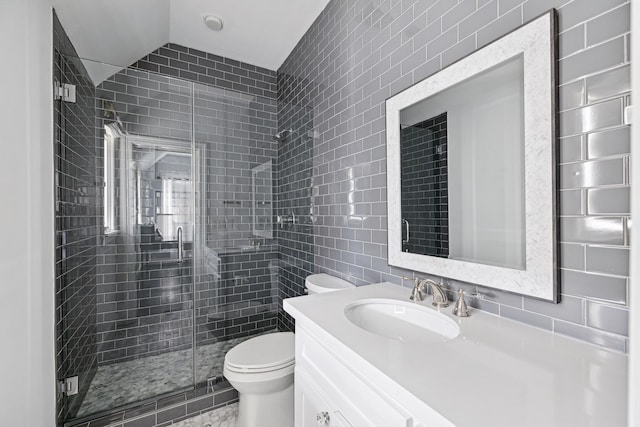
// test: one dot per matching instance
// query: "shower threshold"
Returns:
(124, 383)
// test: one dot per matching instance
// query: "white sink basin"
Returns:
(403, 321)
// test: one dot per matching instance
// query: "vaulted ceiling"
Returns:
(112, 34)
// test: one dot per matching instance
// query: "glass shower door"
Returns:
(144, 264)
(236, 288)
(148, 315)
(181, 268)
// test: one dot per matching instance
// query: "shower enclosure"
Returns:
(161, 267)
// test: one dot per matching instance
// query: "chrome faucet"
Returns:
(437, 290)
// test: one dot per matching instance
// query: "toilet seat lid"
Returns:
(262, 353)
(323, 282)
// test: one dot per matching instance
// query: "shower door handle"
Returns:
(406, 224)
(180, 246)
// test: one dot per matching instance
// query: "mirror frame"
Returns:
(535, 41)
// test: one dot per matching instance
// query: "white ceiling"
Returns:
(119, 32)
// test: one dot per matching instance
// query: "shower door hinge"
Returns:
(628, 114)
(69, 386)
(64, 91)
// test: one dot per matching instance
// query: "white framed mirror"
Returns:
(471, 167)
(262, 182)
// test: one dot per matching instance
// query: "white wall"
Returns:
(27, 395)
(634, 281)
(486, 183)
(485, 160)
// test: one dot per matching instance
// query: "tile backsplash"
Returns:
(359, 53)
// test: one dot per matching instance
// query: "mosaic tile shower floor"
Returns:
(122, 383)
(221, 417)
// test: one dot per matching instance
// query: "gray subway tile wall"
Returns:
(570, 148)
(294, 186)
(608, 201)
(592, 229)
(608, 260)
(614, 142)
(572, 255)
(358, 53)
(496, 28)
(479, 19)
(528, 317)
(607, 318)
(596, 116)
(593, 173)
(597, 287)
(600, 87)
(77, 224)
(592, 60)
(209, 69)
(572, 202)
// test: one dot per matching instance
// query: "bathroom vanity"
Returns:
(353, 371)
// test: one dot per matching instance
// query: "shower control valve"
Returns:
(286, 219)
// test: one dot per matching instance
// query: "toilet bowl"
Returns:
(321, 283)
(261, 369)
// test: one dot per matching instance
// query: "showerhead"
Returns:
(111, 113)
(282, 135)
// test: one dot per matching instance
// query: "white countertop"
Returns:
(497, 372)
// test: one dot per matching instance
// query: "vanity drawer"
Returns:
(361, 402)
(313, 407)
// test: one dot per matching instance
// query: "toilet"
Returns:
(261, 369)
(321, 283)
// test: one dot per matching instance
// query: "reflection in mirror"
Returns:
(163, 189)
(462, 170)
(470, 167)
(423, 170)
(148, 185)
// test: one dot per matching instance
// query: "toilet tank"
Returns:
(321, 283)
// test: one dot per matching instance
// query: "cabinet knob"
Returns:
(323, 418)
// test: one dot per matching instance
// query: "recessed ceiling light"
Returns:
(213, 22)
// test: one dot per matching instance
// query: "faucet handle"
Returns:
(477, 295)
(416, 293)
(461, 309)
(416, 281)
